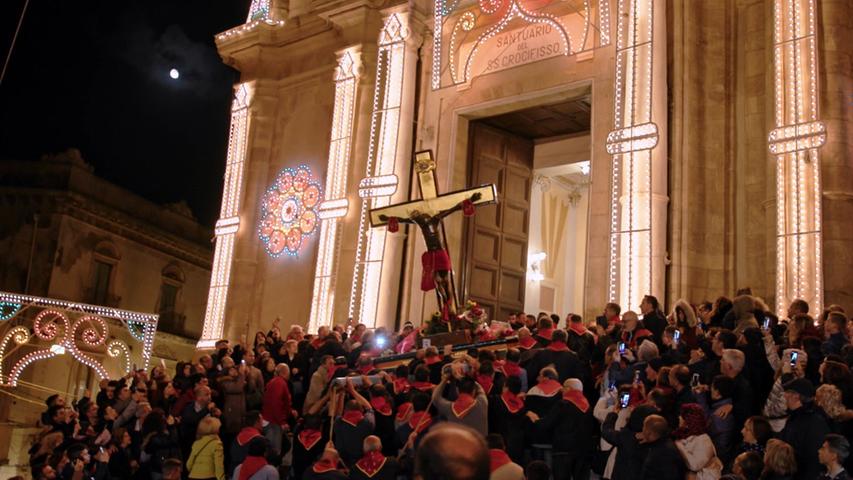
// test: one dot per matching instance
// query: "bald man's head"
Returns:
(452, 452)
(372, 443)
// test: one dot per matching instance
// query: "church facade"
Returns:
(682, 149)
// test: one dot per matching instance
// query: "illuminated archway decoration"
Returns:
(518, 32)
(80, 330)
(289, 211)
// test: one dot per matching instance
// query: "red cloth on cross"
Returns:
(432, 261)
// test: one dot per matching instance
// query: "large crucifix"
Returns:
(428, 213)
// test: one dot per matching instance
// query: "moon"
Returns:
(175, 74)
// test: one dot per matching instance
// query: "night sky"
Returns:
(94, 74)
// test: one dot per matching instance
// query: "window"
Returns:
(101, 282)
(168, 298)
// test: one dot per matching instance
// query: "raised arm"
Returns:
(385, 218)
(473, 198)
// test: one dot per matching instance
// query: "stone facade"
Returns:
(61, 223)
(713, 179)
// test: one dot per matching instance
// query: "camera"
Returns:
(448, 368)
(381, 342)
(355, 380)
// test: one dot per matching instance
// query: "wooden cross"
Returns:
(431, 202)
(436, 207)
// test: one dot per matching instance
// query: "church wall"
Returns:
(835, 37)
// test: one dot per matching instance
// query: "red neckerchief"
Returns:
(423, 386)
(365, 369)
(246, 435)
(432, 360)
(317, 343)
(355, 338)
(463, 405)
(371, 463)
(526, 343)
(250, 466)
(558, 347)
(309, 437)
(577, 398)
(497, 459)
(499, 364)
(487, 382)
(403, 410)
(353, 417)
(381, 405)
(323, 466)
(511, 369)
(513, 402)
(400, 386)
(545, 333)
(577, 328)
(549, 387)
(613, 320)
(417, 425)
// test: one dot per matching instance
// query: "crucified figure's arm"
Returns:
(385, 218)
(440, 215)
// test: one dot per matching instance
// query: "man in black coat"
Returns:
(653, 319)
(373, 465)
(571, 427)
(630, 455)
(663, 461)
(806, 427)
(557, 353)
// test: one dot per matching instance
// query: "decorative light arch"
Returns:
(53, 334)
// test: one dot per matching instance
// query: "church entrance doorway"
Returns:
(529, 253)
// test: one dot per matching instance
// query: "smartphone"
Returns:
(794, 356)
(694, 382)
(621, 348)
(766, 324)
(636, 377)
(624, 399)
(676, 336)
(426, 343)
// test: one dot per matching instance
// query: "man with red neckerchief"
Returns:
(470, 408)
(411, 417)
(508, 418)
(374, 465)
(543, 332)
(353, 426)
(558, 354)
(328, 467)
(542, 397)
(501, 465)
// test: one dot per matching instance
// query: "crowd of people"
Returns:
(715, 390)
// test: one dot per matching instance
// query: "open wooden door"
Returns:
(496, 260)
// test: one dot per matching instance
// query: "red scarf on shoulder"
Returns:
(558, 347)
(463, 405)
(381, 405)
(420, 421)
(250, 466)
(545, 333)
(511, 369)
(549, 387)
(353, 417)
(513, 402)
(576, 397)
(403, 410)
(577, 328)
(432, 360)
(497, 459)
(401, 386)
(371, 463)
(309, 437)
(423, 386)
(526, 343)
(323, 466)
(486, 381)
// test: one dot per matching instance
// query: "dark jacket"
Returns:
(566, 362)
(629, 456)
(571, 430)
(655, 322)
(805, 430)
(663, 461)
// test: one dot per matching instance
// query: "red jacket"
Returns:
(276, 407)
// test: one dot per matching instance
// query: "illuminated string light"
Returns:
(381, 186)
(795, 140)
(20, 335)
(289, 211)
(381, 161)
(336, 206)
(8, 310)
(630, 143)
(229, 221)
(116, 348)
